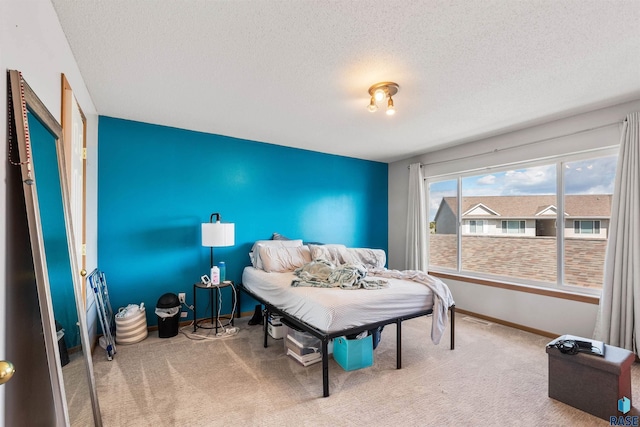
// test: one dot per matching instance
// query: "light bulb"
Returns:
(379, 94)
(372, 107)
(391, 110)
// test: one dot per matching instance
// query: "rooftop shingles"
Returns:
(576, 206)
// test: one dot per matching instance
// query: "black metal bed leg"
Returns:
(264, 325)
(398, 344)
(325, 368)
(453, 326)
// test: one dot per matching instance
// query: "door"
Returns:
(74, 131)
(28, 396)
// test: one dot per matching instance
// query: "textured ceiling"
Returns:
(296, 73)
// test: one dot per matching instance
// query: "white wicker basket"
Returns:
(131, 324)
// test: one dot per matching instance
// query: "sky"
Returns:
(592, 176)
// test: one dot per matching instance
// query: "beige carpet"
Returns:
(76, 388)
(496, 376)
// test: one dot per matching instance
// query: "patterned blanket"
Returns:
(323, 274)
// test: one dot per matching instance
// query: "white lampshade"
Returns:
(217, 234)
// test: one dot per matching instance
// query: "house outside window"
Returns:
(443, 236)
(513, 227)
(586, 227)
(520, 216)
(476, 226)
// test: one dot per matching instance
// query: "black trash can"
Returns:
(62, 345)
(168, 312)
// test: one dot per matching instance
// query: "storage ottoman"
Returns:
(589, 382)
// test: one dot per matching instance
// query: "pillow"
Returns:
(340, 254)
(278, 236)
(329, 253)
(255, 256)
(279, 259)
(370, 258)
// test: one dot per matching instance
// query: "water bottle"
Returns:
(223, 271)
(215, 275)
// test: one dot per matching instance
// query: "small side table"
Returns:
(213, 301)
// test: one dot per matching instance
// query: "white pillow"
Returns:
(255, 256)
(280, 259)
(340, 254)
(370, 258)
(329, 253)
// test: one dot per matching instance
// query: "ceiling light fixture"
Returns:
(380, 91)
(391, 110)
(372, 105)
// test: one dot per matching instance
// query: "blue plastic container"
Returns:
(353, 354)
(223, 271)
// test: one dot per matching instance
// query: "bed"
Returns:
(336, 310)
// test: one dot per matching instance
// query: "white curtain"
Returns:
(417, 225)
(618, 320)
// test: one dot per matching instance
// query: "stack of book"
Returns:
(305, 355)
(274, 326)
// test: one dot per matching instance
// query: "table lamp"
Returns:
(217, 234)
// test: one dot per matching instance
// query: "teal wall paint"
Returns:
(157, 184)
(54, 233)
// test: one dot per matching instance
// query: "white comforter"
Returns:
(442, 298)
(334, 309)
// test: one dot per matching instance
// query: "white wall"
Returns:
(535, 311)
(554, 315)
(32, 41)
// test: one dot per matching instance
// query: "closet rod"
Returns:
(497, 150)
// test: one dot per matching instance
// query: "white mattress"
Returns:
(334, 309)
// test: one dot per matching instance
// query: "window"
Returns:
(508, 196)
(529, 212)
(476, 226)
(513, 227)
(588, 189)
(443, 224)
(586, 227)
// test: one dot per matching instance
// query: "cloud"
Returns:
(530, 177)
(487, 180)
(481, 191)
(593, 176)
(534, 180)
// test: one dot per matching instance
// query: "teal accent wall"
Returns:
(54, 233)
(157, 184)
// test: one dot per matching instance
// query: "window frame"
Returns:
(522, 226)
(476, 223)
(595, 229)
(559, 162)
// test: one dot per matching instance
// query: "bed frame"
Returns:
(325, 337)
